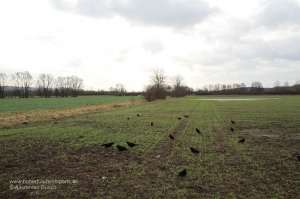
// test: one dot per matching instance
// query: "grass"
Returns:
(22, 105)
(264, 166)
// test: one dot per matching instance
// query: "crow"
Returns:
(179, 118)
(108, 144)
(171, 137)
(232, 122)
(186, 116)
(198, 131)
(128, 118)
(131, 144)
(182, 173)
(121, 148)
(151, 123)
(25, 122)
(195, 151)
(242, 140)
(138, 115)
(232, 129)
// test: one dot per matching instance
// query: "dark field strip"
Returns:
(265, 165)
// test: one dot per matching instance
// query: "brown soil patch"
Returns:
(93, 168)
(275, 133)
(100, 172)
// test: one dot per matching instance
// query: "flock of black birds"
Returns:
(119, 147)
(241, 140)
(195, 151)
(183, 172)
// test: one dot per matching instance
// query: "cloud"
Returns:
(173, 13)
(280, 49)
(280, 12)
(153, 46)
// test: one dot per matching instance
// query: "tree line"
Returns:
(158, 89)
(23, 85)
(255, 88)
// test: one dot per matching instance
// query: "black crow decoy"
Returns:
(179, 118)
(242, 140)
(138, 115)
(128, 118)
(232, 129)
(171, 137)
(106, 145)
(121, 148)
(195, 151)
(130, 144)
(182, 173)
(232, 122)
(151, 123)
(198, 130)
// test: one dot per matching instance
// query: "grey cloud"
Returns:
(281, 49)
(246, 53)
(175, 13)
(280, 12)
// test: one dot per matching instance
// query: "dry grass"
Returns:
(46, 115)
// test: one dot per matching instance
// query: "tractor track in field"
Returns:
(165, 146)
(156, 173)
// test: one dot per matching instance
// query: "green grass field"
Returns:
(264, 166)
(21, 105)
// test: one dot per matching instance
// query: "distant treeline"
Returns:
(158, 89)
(23, 85)
(46, 85)
(256, 88)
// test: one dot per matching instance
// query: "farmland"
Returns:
(265, 165)
(24, 105)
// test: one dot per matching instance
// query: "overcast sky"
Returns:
(121, 41)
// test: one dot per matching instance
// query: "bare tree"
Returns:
(158, 78)
(44, 84)
(3, 78)
(179, 90)
(157, 90)
(60, 87)
(76, 84)
(22, 81)
(119, 89)
(68, 86)
(257, 87)
(277, 84)
(178, 81)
